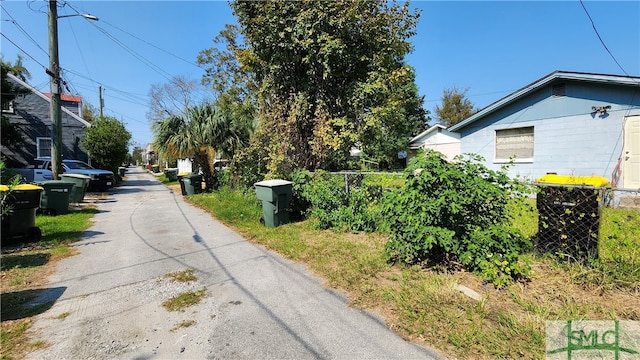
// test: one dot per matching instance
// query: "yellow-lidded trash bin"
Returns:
(569, 215)
(555, 179)
(171, 174)
(20, 220)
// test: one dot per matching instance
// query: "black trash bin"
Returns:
(20, 222)
(569, 215)
(55, 197)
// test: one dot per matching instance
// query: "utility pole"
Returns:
(54, 73)
(55, 111)
(100, 99)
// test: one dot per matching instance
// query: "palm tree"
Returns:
(199, 135)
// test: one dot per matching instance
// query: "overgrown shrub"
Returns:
(326, 199)
(495, 254)
(299, 203)
(326, 195)
(454, 213)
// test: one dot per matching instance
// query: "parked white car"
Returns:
(100, 179)
(29, 175)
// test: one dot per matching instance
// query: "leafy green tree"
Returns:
(107, 142)
(205, 130)
(11, 134)
(18, 69)
(329, 75)
(136, 155)
(455, 106)
(89, 112)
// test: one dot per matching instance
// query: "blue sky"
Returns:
(491, 48)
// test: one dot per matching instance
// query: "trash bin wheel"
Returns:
(49, 212)
(35, 233)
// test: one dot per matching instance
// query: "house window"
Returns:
(43, 147)
(516, 143)
(559, 89)
(7, 107)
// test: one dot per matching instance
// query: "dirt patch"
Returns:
(175, 188)
(127, 320)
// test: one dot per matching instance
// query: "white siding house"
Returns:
(436, 138)
(566, 122)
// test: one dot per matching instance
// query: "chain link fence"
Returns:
(568, 215)
(569, 220)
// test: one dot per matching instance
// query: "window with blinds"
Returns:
(516, 143)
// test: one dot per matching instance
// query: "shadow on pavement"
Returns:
(37, 302)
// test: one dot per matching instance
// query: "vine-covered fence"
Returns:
(568, 216)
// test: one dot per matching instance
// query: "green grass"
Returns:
(423, 305)
(182, 276)
(618, 265)
(163, 179)
(184, 300)
(24, 269)
(619, 252)
(183, 324)
(65, 228)
(385, 181)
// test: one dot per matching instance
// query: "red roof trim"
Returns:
(64, 97)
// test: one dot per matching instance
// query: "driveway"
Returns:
(258, 305)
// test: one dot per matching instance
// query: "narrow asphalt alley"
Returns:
(258, 305)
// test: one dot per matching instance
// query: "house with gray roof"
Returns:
(29, 110)
(568, 123)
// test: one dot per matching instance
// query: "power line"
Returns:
(23, 51)
(146, 42)
(84, 61)
(593, 25)
(140, 97)
(142, 59)
(22, 30)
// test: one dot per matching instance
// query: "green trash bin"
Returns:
(155, 168)
(275, 196)
(20, 222)
(171, 174)
(121, 171)
(192, 184)
(55, 197)
(80, 185)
